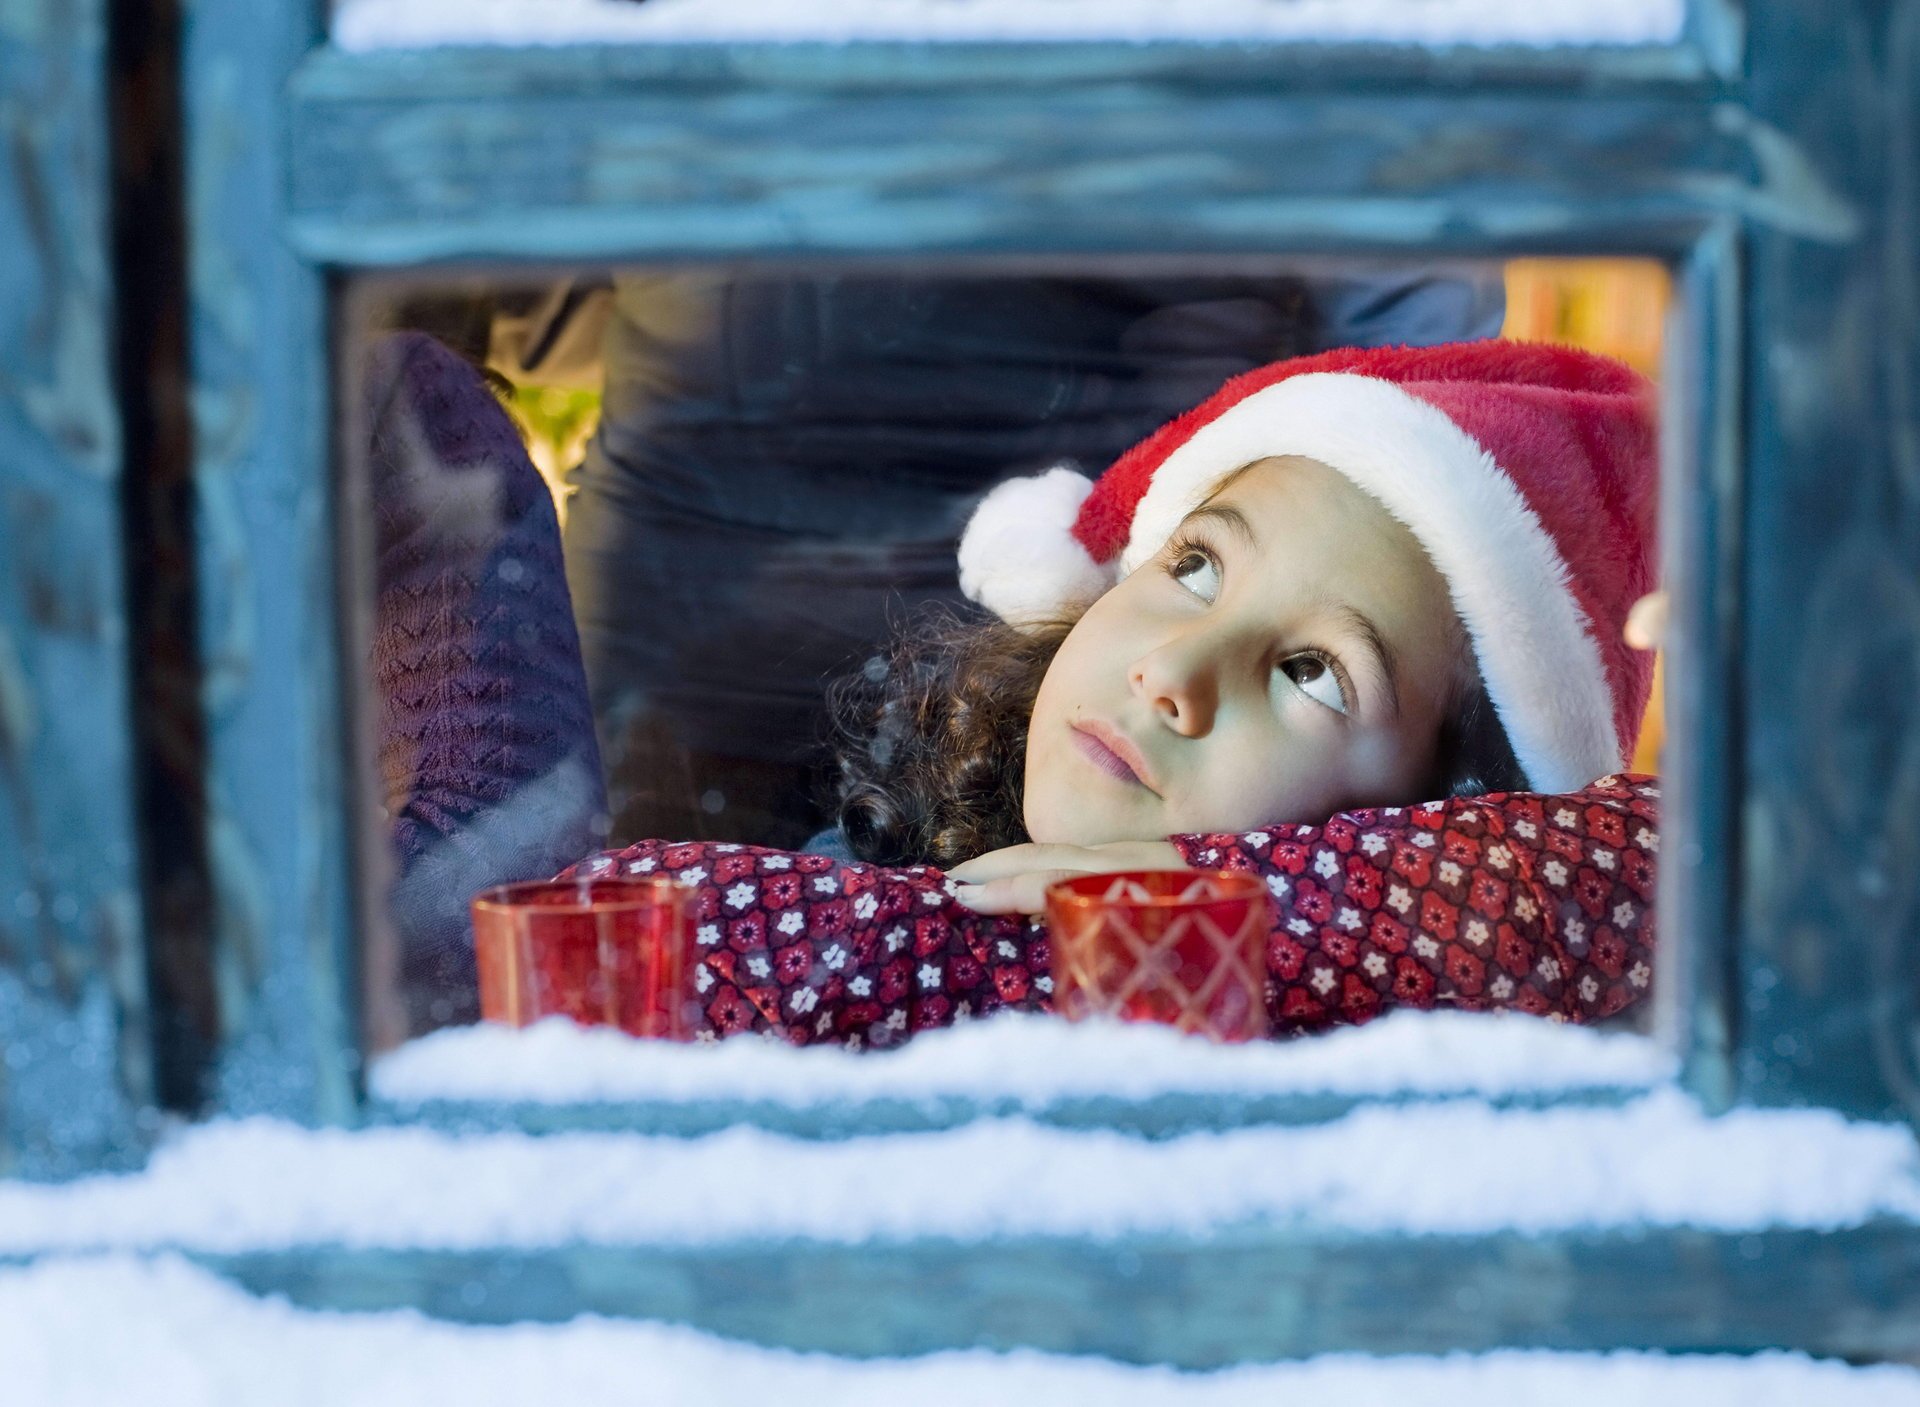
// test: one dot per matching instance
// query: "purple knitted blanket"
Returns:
(487, 754)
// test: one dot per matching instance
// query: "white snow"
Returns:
(1446, 1166)
(163, 1332)
(1031, 1060)
(403, 24)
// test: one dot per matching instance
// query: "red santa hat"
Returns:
(1527, 472)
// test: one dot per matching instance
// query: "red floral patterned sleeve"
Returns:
(815, 949)
(1536, 902)
(1544, 903)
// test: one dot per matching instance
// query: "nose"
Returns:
(1180, 682)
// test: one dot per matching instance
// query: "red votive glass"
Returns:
(604, 952)
(1186, 948)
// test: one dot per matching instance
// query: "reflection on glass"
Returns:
(668, 574)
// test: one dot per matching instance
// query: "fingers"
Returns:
(1013, 860)
(1024, 893)
(1015, 880)
(1114, 855)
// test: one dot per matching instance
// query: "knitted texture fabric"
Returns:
(487, 754)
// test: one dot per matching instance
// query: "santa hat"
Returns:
(1527, 472)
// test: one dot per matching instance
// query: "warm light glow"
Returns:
(1617, 307)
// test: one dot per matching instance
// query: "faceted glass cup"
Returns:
(603, 952)
(1186, 948)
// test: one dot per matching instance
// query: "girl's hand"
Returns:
(1015, 880)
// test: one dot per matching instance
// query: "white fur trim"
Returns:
(1018, 555)
(1535, 649)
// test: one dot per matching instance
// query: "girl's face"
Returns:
(1289, 654)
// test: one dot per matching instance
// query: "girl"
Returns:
(1342, 585)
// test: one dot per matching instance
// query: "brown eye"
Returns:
(1198, 573)
(1315, 677)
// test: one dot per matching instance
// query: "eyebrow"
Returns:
(1359, 623)
(1232, 519)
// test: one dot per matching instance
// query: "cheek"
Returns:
(1079, 676)
(1389, 768)
(1037, 788)
(1047, 701)
(1376, 759)
(1299, 778)
(1251, 779)
(1293, 786)
(1046, 796)
(1051, 808)
(1060, 806)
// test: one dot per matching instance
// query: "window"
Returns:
(331, 182)
(903, 207)
(759, 475)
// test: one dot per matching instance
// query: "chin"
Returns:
(1060, 812)
(1090, 829)
(1052, 832)
(1046, 826)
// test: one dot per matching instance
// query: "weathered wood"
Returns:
(74, 1059)
(1716, 32)
(1248, 1294)
(405, 158)
(1706, 55)
(1828, 692)
(1168, 1115)
(169, 734)
(1697, 994)
(280, 771)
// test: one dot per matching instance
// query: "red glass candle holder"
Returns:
(603, 952)
(1183, 947)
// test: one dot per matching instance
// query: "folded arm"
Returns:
(1541, 903)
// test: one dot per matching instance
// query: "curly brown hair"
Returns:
(932, 740)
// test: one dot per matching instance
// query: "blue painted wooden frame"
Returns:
(1244, 1294)
(279, 761)
(75, 1067)
(1779, 213)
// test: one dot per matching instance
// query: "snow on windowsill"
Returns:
(79, 1333)
(1446, 1167)
(361, 25)
(1031, 1061)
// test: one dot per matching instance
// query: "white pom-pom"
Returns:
(1019, 557)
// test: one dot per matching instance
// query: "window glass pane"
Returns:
(662, 572)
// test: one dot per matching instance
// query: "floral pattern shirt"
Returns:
(1540, 903)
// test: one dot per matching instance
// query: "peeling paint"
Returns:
(72, 990)
(244, 906)
(75, 409)
(19, 719)
(1792, 195)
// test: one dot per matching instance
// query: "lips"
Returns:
(1113, 753)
